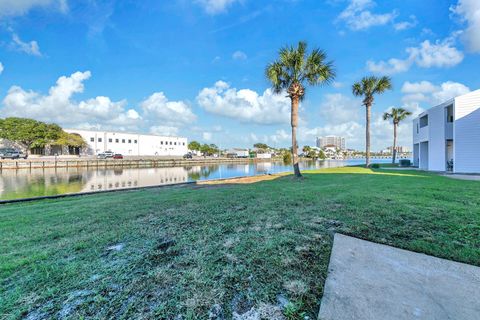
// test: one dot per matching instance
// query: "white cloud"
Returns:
(1, 68)
(59, 107)
(338, 85)
(469, 12)
(404, 25)
(163, 116)
(207, 136)
(279, 137)
(426, 92)
(21, 7)
(391, 66)
(337, 108)
(438, 54)
(358, 17)
(441, 54)
(164, 130)
(239, 55)
(30, 48)
(245, 105)
(158, 108)
(215, 6)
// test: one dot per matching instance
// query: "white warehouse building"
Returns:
(447, 137)
(131, 144)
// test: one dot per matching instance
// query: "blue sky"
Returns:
(196, 67)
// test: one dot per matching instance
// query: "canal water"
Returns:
(25, 183)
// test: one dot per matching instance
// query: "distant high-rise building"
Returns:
(331, 141)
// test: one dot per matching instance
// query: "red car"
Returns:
(117, 156)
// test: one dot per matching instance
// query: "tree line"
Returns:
(30, 133)
(205, 149)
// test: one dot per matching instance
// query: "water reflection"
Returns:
(26, 183)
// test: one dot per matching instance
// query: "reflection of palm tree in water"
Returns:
(196, 173)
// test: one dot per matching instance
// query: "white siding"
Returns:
(132, 143)
(436, 142)
(467, 133)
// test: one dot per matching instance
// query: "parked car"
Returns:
(9, 153)
(22, 155)
(188, 156)
(101, 155)
(109, 154)
(117, 156)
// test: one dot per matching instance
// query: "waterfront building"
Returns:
(447, 136)
(331, 141)
(238, 153)
(131, 144)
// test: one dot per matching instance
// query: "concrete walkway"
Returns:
(473, 177)
(372, 281)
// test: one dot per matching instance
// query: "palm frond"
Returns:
(294, 65)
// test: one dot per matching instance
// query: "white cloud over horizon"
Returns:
(96, 113)
(440, 54)
(245, 105)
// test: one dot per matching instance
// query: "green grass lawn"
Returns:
(183, 250)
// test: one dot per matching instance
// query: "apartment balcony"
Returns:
(449, 130)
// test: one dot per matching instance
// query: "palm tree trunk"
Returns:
(294, 122)
(394, 151)
(367, 135)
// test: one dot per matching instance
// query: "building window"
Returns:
(170, 142)
(449, 113)
(175, 143)
(129, 141)
(424, 121)
(99, 139)
(184, 143)
(134, 141)
(116, 140)
(123, 140)
(161, 142)
(110, 140)
(92, 139)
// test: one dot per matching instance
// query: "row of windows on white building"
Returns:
(110, 140)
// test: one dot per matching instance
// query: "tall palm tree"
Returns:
(397, 115)
(368, 87)
(294, 69)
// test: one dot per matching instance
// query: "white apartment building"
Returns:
(447, 137)
(131, 144)
(331, 141)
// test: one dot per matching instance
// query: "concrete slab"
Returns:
(473, 177)
(373, 281)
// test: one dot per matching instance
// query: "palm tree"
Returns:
(397, 115)
(367, 88)
(294, 69)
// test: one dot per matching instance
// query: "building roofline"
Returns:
(124, 132)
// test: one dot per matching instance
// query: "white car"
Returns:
(106, 154)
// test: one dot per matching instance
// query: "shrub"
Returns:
(375, 166)
(405, 163)
(287, 158)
